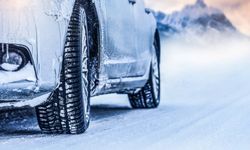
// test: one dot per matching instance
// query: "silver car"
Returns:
(56, 54)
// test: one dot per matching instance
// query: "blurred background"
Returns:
(236, 10)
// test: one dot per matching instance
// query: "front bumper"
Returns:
(21, 88)
(23, 94)
(41, 26)
(21, 91)
(21, 85)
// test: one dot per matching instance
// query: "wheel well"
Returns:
(93, 26)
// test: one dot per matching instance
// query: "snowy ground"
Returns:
(205, 106)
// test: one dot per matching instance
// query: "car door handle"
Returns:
(132, 2)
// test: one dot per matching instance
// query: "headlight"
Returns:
(11, 61)
(13, 58)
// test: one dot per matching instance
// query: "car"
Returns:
(56, 54)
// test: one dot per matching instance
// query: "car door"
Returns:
(119, 56)
(145, 27)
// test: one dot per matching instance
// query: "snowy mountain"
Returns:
(197, 18)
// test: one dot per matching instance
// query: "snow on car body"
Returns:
(38, 26)
(37, 37)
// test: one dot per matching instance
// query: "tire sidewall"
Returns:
(84, 28)
(156, 98)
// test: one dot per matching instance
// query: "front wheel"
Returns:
(149, 95)
(68, 108)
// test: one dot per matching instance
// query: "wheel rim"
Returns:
(156, 78)
(84, 59)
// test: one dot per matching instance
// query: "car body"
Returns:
(122, 35)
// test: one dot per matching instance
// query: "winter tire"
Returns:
(68, 108)
(149, 95)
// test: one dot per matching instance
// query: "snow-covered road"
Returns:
(205, 106)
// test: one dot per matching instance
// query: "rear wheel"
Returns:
(149, 95)
(68, 108)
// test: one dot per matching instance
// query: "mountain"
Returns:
(198, 18)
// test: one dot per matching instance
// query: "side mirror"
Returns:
(132, 2)
(148, 11)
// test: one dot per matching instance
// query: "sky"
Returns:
(238, 11)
